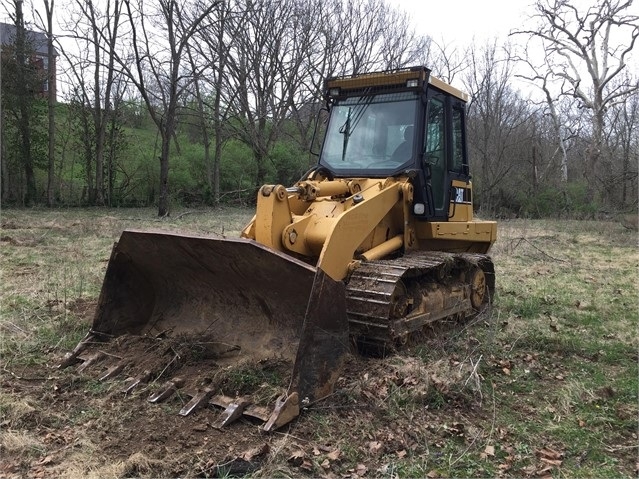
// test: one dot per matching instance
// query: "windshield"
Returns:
(372, 133)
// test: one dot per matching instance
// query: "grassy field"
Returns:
(544, 385)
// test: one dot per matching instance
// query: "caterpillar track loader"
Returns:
(371, 246)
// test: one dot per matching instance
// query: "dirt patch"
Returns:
(72, 414)
(191, 362)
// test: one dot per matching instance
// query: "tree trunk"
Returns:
(260, 160)
(27, 160)
(99, 122)
(88, 158)
(534, 169)
(163, 203)
(595, 146)
(110, 163)
(50, 103)
(99, 167)
(217, 157)
(4, 170)
(24, 126)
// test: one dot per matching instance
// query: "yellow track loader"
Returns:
(370, 247)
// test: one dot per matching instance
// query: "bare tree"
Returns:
(164, 26)
(399, 43)
(497, 121)
(584, 51)
(445, 60)
(51, 92)
(286, 49)
(96, 29)
(24, 97)
(214, 43)
(375, 35)
(264, 68)
(620, 164)
(542, 81)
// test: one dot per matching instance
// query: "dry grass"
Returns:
(20, 443)
(553, 368)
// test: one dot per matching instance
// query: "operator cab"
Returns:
(400, 123)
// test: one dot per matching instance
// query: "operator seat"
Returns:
(405, 149)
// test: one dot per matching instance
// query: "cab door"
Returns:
(444, 154)
(435, 156)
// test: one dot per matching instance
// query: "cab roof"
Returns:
(406, 78)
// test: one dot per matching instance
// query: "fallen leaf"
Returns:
(251, 454)
(297, 457)
(326, 464)
(45, 461)
(506, 371)
(550, 453)
(490, 450)
(401, 453)
(361, 470)
(375, 447)
(334, 455)
(551, 457)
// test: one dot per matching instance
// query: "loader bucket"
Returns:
(245, 298)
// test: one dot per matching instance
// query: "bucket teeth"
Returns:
(91, 360)
(199, 400)
(232, 413)
(135, 382)
(113, 371)
(258, 412)
(167, 390)
(287, 408)
(72, 357)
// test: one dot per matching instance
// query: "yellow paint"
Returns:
(362, 215)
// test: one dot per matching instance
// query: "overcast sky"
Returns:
(465, 22)
(462, 21)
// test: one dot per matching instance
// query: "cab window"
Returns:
(435, 149)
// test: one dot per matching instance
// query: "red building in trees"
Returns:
(37, 46)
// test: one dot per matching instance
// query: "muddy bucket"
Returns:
(243, 300)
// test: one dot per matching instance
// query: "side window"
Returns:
(435, 150)
(458, 141)
(435, 131)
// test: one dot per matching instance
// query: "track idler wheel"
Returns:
(478, 288)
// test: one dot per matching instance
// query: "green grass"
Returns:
(248, 379)
(554, 368)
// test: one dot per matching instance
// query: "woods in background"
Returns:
(187, 102)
